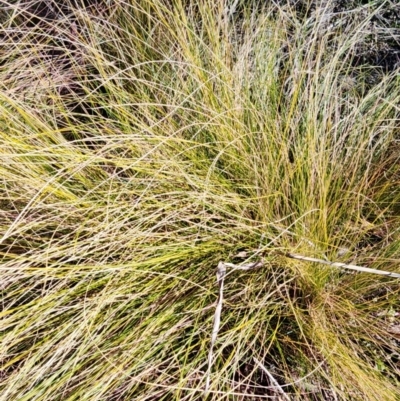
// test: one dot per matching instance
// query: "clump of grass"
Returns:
(161, 140)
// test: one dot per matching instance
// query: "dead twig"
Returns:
(344, 265)
(221, 271)
(273, 381)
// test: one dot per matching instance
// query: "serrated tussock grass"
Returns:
(145, 142)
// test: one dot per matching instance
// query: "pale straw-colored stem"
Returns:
(273, 381)
(343, 265)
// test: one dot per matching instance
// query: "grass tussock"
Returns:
(141, 144)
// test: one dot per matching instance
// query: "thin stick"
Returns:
(346, 266)
(221, 271)
(274, 382)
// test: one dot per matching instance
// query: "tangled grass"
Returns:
(144, 142)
